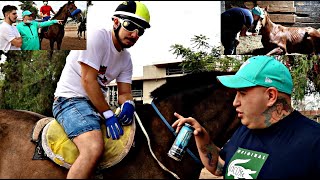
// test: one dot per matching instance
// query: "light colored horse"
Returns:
(280, 39)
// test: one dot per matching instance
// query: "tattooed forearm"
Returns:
(219, 169)
(211, 152)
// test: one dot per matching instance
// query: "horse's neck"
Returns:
(269, 25)
(62, 16)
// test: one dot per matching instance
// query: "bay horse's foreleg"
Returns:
(51, 44)
(40, 43)
(59, 42)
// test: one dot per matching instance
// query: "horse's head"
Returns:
(73, 11)
(68, 10)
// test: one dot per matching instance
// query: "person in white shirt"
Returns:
(79, 105)
(10, 38)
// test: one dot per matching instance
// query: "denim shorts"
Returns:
(76, 115)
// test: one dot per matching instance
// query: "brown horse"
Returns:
(55, 32)
(196, 95)
(302, 40)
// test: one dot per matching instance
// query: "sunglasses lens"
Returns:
(130, 26)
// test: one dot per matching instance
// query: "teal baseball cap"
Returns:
(26, 13)
(258, 11)
(260, 71)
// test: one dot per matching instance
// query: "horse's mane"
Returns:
(187, 82)
(60, 10)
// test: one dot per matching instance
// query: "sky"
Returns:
(54, 4)
(172, 22)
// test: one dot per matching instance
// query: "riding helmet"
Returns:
(134, 11)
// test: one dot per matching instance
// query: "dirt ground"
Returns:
(250, 45)
(70, 41)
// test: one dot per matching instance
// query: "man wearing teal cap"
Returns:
(28, 30)
(274, 141)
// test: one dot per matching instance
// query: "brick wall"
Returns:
(311, 112)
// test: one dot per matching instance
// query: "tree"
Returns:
(30, 5)
(305, 74)
(202, 56)
(30, 80)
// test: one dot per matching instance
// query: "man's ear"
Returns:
(116, 22)
(272, 94)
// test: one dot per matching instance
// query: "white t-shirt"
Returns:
(7, 34)
(101, 55)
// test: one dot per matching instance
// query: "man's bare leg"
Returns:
(91, 147)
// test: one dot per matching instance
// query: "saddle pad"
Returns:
(60, 149)
(38, 128)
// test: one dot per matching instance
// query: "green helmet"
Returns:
(134, 11)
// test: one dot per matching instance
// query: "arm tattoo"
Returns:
(211, 152)
(219, 169)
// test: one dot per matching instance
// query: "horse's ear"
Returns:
(266, 8)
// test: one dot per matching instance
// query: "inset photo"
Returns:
(270, 27)
(43, 25)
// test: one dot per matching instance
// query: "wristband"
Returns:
(107, 114)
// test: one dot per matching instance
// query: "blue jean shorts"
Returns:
(76, 115)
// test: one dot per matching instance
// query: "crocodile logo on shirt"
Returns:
(245, 164)
(239, 171)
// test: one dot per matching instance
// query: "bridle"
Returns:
(195, 158)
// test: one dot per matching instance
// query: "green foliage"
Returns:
(28, 5)
(305, 75)
(31, 79)
(202, 56)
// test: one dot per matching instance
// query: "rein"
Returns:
(173, 132)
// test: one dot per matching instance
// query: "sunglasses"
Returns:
(131, 26)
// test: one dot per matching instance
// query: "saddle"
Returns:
(53, 143)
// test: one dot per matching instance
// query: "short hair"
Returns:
(8, 8)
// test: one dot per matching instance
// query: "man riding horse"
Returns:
(45, 12)
(83, 81)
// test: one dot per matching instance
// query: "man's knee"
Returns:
(90, 144)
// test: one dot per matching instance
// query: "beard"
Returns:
(133, 41)
(12, 21)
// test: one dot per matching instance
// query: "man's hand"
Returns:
(126, 112)
(60, 21)
(113, 127)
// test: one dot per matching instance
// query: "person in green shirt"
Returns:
(28, 30)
